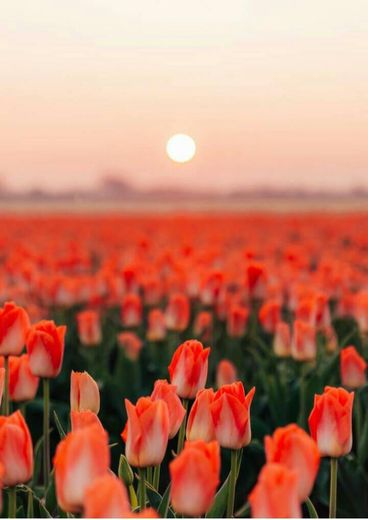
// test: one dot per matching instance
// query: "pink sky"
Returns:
(273, 91)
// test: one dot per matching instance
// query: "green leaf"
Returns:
(164, 505)
(37, 461)
(59, 427)
(363, 444)
(219, 504)
(155, 499)
(311, 509)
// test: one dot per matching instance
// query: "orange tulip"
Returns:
(352, 368)
(2, 383)
(146, 432)
(14, 326)
(156, 330)
(292, 447)
(270, 315)
(23, 384)
(282, 340)
(131, 344)
(89, 328)
(237, 319)
(81, 457)
(16, 450)
(276, 493)
(195, 475)
(226, 373)
(106, 497)
(203, 325)
(188, 368)
(177, 313)
(231, 415)
(303, 344)
(45, 347)
(131, 310)
(163, 390)
(80, 420)
(330, 421)
(84, 393)
(200, 423)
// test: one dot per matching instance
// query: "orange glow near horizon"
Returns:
(274, 92)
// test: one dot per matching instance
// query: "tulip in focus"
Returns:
(330, 422)
(195, 475)
(231, 415)
(282, 340)
(167, 392)
(146, 433)
(14, 326)
(200, 423)
(81, 457)
(84, 393)
(188, 368)
(89, 328)
(45, 347)
(276, 493)
(292, 447)
(226, 373)
(23, 385)
(352, 368)
(16, 450)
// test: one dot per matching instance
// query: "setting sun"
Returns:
(181, 148)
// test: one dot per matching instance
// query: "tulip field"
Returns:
(184, 365)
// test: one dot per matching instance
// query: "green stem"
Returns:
(156, 476)
(232, 484)
(149, 472)
(311, 509)
(333, 487)
(183, 427)
(6, 387)
(30, 511)
(12, 502)
(142, 488)
(46, 433)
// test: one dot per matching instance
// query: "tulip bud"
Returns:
(352, 368)
(188, 368)
(16, 450)
(255, 280)
(80, 420)
(195, 475)
(292, 447)
(106, 497)
(231, 415)
(45, 347)
(84, 392)
(330, 422)
(131, 310)
(81, 457)
(276, 493)
(282, 340)
(200, 423)
(226, 373)
(89, 328)
(125, 471)
(14, 326)
(270, 315)
(131, 344)
(156, 330)
(303, 344)
(237, 319)
(177, 313)
(203, 325)
(146, 433)
(23, 384)
(163, 390)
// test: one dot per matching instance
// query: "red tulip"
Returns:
(270, 315)
(330, 421)
(188, 368)
(89, 328)
(203, 325)
(276, 493)
(131, 344)
(16, 450)
(2, 383)
(282, 340)
(14, 326)
(292, 447)
(106, 497)
(352, 368)
(45, 347)
(131, 310)
(304, 343)
(84, 419)
(226, 373)
(156, 325)
(200, 423)
(146, 432)
(163, 390)
(177, 313)
(237, 319)
(231, 415)
(81, 457)
(84, 392)
(195, 475)
(23, 384)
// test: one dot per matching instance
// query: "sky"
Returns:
(274, 92)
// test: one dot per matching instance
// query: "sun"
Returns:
(181, 148)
